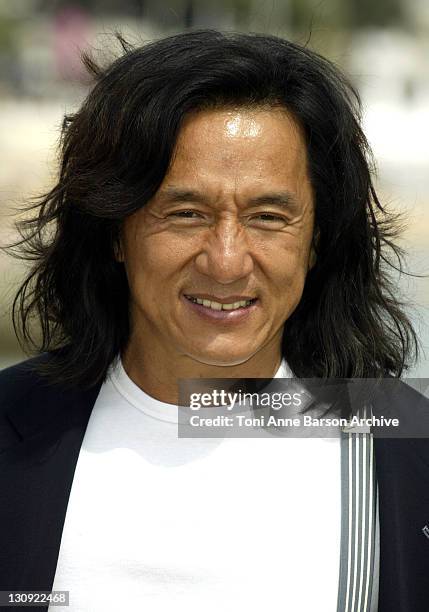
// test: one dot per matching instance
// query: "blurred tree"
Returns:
(306, 15)
(8, 29)
(301, 15)
(348, 13)
(189, 13)
(241, 10)
(10, 72)
(364, 13)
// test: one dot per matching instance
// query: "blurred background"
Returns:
(382, 45)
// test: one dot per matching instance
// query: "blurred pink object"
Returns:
(71, 37)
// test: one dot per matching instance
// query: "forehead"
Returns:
(240, 145)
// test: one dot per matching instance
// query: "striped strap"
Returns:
(358, 590)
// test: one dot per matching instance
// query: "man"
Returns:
(214, 217)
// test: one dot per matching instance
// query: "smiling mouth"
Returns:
(212, 305)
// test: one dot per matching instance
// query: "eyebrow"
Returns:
(174, 194)
(284, 199)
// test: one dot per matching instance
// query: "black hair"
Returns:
(115, 152)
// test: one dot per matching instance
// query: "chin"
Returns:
(221, 358)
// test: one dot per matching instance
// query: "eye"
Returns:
(267, 221)
(186, 214)
(269, 217)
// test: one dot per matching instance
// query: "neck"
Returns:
(158, 373)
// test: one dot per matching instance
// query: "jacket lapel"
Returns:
(36, 474)
(402, 470)
(402, 467)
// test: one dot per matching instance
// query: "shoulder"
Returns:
(18, 380)
(402, 440)
(407, 402)
(30, 402)
(20, 386)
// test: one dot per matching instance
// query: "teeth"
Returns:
(218, 306)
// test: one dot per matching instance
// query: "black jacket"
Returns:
(41, 432)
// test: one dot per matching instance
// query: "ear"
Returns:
(118, 251)
(313, 256)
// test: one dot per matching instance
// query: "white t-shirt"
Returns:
(156, 522)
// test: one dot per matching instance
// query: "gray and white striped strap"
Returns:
(358, 580)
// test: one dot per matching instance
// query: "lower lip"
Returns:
(233, 316)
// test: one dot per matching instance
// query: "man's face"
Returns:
(231, 224)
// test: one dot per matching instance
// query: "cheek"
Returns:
(151, 263)
(288, 274)
(293, 285)
(288, 262)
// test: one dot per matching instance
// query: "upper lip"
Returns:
(230, 299)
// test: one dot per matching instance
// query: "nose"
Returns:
(225, 253)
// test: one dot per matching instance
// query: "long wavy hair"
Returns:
(115, 151)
